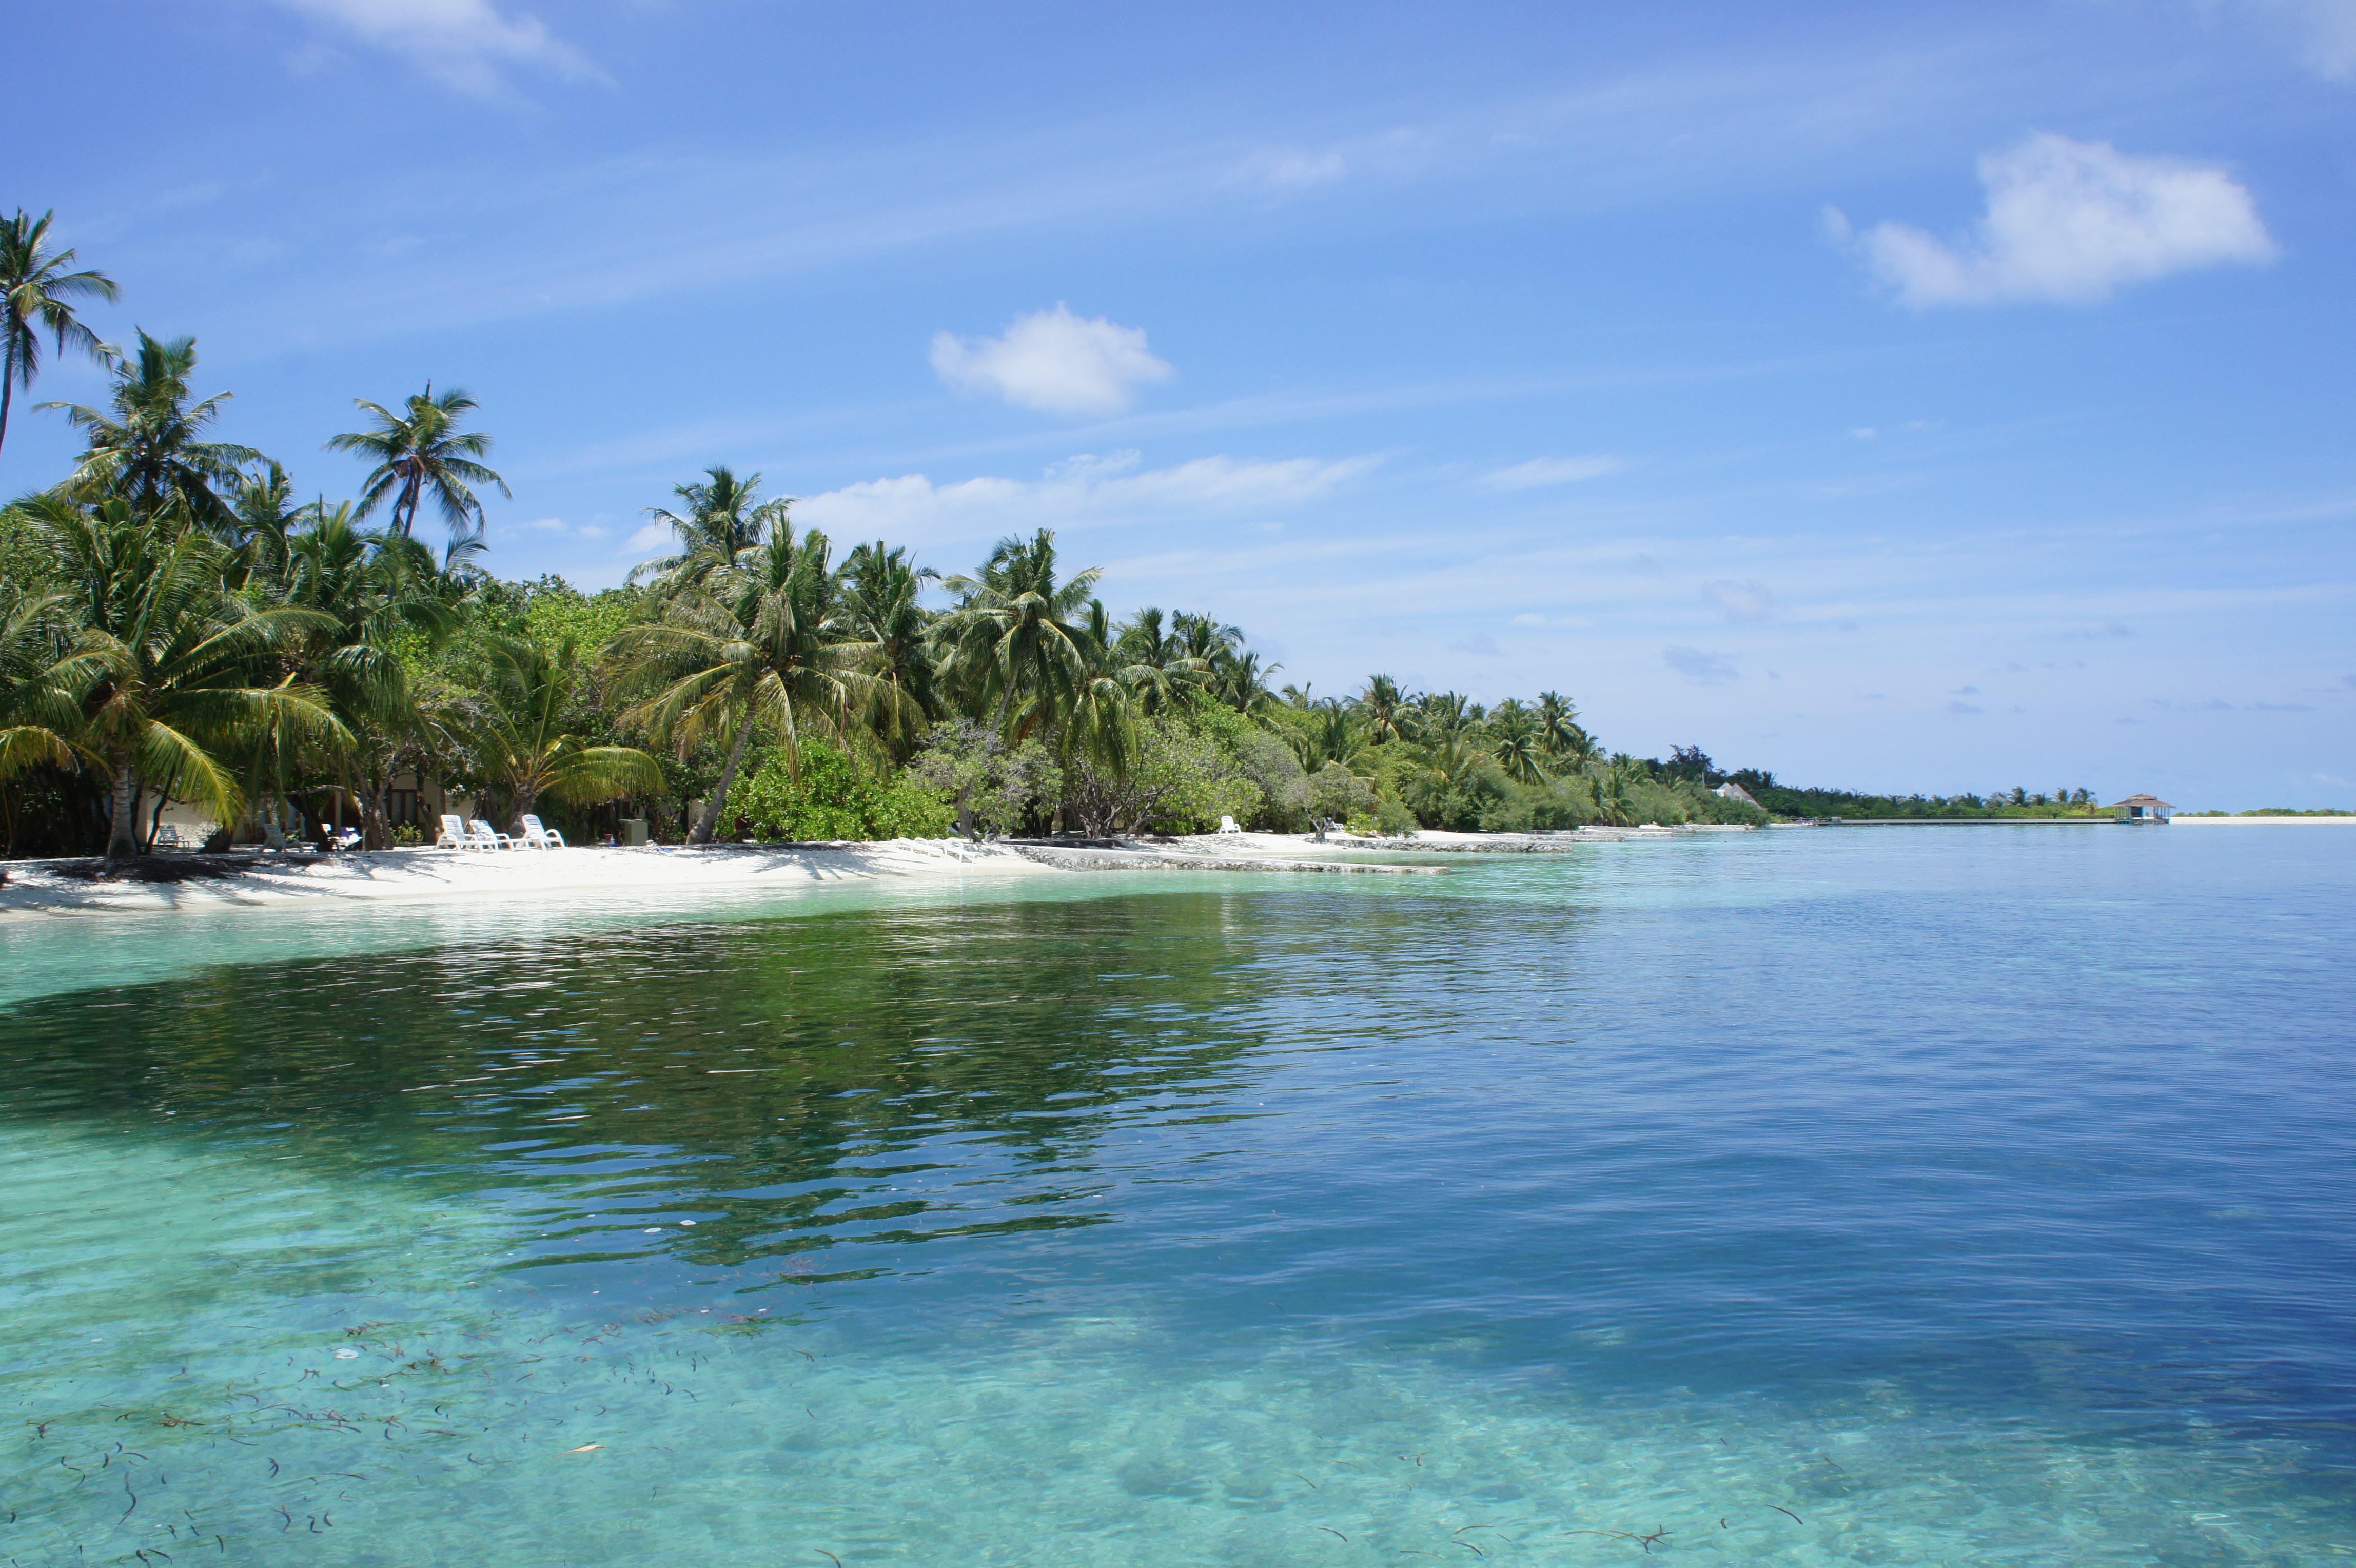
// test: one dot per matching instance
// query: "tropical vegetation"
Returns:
(177, 628)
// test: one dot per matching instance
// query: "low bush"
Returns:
(835, 800)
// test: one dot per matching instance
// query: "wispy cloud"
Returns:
(2072, 221)
(1053, 360)
(463, 44)
(1540, 472)
(1075, 492)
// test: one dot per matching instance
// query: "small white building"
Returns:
(1730, 790)
(2143, 809)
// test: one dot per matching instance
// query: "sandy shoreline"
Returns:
(439, 876)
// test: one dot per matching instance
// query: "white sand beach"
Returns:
(412, 875)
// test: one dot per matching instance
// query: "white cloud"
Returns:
(460, 43)
(653, 536)
(1539, 472)
(1744, 601)
(1055, 361)
(1079, 490)
(1701, 666)
(2071, 221)
(544, 524)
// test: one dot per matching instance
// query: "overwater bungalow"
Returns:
(2143, 809)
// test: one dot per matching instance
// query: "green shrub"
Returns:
(833, 800)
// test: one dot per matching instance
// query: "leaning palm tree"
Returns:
(881, 588)
(524, 738)
(767, 644)
(147, 447)
(1014, 647)
(725, 517)
(37, 295)
(165, 668)
(423, 451)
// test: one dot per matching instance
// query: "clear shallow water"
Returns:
(1866, 1195)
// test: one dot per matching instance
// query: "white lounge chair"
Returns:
(1227, 825)
(536, 836)
(486, 836)
(453, 834)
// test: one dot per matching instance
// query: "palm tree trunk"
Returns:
(7, 395)
(123, 839)
(704, 824)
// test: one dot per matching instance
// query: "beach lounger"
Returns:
(536, 836)
(486, 836)
(453, 834)
(1227, 825)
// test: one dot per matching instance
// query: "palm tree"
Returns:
(1333, 737)
(1101, 724)
(264, 515)
(1560, 735)
(1442, 713)
(423, 451)
(39, 674)
(37, 295)
(723, 519)
(766, 642)
(523, 738)
(1516, 741)
(1014, 647)
(881, 589)
(1453, 758)
(1242, 684)
(1387, 712)
(147, 450)
(1165, 665)
(1613, 806)
(1203, 636)
(163, 671)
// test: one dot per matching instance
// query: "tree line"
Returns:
(177, 625)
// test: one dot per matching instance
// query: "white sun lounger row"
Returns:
(457, 833)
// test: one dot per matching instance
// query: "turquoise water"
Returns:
(1862, 1196)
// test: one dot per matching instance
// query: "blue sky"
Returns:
(1936, 398)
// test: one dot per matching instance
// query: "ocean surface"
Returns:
(1858, 1196)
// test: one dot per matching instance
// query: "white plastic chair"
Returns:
(536, 836)
(486, 836)
(453, 834)
(1227, 825)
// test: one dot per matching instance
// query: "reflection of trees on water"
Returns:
(778, 1076)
